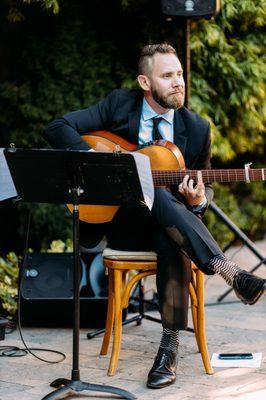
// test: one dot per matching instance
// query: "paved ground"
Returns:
(231, 327)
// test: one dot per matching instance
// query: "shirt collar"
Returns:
(149, 113)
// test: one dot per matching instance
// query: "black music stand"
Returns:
(75, 177)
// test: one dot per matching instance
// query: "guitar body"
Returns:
(163, 155)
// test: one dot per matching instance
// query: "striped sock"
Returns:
(170, 340)
(225, 268)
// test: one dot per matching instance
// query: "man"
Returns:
(173, 228)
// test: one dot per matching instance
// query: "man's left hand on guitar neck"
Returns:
(194, 195)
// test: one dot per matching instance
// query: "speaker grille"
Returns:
(47, 276)
(190, 8)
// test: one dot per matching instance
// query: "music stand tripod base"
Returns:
(68, 386)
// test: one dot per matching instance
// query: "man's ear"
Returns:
(144, 82)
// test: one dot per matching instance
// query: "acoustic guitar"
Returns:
(167, 165)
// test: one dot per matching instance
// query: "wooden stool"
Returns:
(119, 263)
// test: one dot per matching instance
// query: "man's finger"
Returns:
(185, 181)
(190, 184)
(199, 178)
(180, 188)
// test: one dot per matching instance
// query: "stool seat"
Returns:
(121, 282)
(129, 255)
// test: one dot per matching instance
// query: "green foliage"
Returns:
(228, 77)
(58, 246)
(52, 5)
(228, 88)
(8, 284)
(64, 72)
(53, 64)
(15, 14)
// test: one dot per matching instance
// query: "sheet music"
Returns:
(7, 187)
(145, 176)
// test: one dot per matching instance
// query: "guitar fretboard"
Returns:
(172, 177)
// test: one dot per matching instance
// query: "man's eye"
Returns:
(167, 75)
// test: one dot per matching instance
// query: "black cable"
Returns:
(13, 351)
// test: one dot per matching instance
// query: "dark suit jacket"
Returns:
(120, 113)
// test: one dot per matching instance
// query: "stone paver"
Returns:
(231, 327)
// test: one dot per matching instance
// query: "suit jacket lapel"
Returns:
(180, 138)
(134, 122)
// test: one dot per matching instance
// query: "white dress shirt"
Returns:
(166, 126)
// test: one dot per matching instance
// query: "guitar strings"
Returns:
(170, 176)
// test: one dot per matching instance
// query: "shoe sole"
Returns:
(250, 303)
(159, 386)
(260, 294)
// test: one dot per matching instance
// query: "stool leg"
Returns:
(201, 324)
(117, 334)
(110, 314)
(194, 306)
(195, 323)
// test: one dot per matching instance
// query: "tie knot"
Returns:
(156, 120)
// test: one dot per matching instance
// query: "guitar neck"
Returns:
(173, 177)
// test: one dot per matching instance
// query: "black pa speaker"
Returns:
(46, 290)
(47, 276)
(190, 8)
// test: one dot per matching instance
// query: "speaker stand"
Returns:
(137, 318)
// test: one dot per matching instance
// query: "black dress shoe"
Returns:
(248, 287)
(163, 372)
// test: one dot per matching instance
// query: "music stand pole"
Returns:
(64, 385)
(76, 280)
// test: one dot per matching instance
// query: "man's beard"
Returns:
(173, 101)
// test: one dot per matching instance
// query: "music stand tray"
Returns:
(75, 177)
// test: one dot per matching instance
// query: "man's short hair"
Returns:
(147, 53)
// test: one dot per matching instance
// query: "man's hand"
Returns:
(194, 195)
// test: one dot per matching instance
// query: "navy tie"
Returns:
(155, 131)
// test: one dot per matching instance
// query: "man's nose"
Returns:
(178, 81)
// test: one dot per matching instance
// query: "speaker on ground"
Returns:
(46, 290)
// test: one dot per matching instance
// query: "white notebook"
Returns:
(7, 187)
